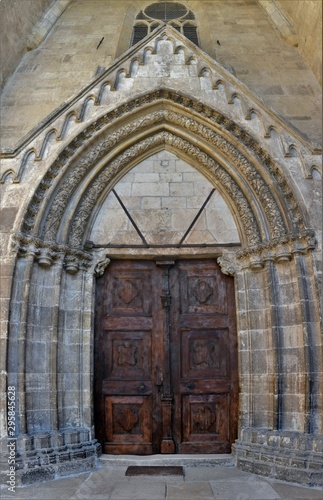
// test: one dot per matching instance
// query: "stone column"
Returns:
(41, 348)
(17, 334)
(276, 289)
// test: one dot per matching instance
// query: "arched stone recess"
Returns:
(251, 162)
(52, 303)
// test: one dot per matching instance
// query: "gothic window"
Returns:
(157, 14)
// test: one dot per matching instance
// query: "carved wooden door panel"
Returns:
(128, 358)
(204, 358)
(165, 358)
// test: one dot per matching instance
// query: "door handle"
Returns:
(142, 387)
(159, 381)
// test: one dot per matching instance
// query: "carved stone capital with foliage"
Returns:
(277, 250)
(46, 253)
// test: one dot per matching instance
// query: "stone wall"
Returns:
(306, 18)
(17, 19)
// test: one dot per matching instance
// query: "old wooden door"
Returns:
(165, 358)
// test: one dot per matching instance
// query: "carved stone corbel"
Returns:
(228, 264)
(101, 267)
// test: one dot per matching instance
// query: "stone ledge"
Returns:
(209, 460)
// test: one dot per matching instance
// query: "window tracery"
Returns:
(175, 14)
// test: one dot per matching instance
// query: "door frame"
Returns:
(173, 254)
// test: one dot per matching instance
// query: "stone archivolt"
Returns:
(210, 115)
(205, 123)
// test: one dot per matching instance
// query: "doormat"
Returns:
(154, 471)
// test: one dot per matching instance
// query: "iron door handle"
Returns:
(160, 380)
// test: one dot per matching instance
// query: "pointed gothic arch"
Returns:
(216, 146)
(52, 296)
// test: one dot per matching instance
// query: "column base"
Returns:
(285, 455)
(47, 456)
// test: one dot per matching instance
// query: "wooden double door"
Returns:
(165, 369)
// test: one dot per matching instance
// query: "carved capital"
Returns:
(48, 252)
(46, 257)
(278, 250)
(76, 260)
(71, 264)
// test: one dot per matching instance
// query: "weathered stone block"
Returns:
(7, 218)
(283, 461)
(318, 444)
(25, 443)
(42, 441)
(297, 463)
(245, 465)
(267, 457)
(37, 475)
(57, 440)
(64, 457)
(263, 469)
(34, 462)
(250, 454)
(304, 442)
(75, 466)
(84, 435)
(273, 440)
(317, 466)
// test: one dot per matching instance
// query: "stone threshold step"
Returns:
(223, 460)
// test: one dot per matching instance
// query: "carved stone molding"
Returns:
(85, 164)
(47, 253)
(87, 204)
(262, 190)
(277, 250)
(136, 56)
(209, 114)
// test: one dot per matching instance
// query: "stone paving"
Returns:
(198, 483)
